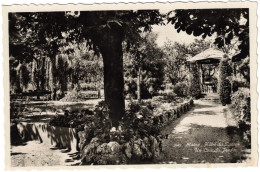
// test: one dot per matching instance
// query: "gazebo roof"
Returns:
(210, 55)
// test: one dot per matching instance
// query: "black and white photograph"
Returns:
(164, 85)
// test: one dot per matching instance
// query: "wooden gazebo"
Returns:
(209, 56)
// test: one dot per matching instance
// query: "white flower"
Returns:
(113, 129)
(139, 116)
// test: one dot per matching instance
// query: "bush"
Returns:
(137, 138)
(130, 88)
(241, 105)
(238, 82)
(158, 99)
(241, 108)
(77, 96)
(73, 120)
(139, 119)
(149, 87)
(181, 89)
(88, 86)
(224, 82)
(194, 82)
(244, 69)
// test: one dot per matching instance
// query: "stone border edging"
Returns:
(174, 113)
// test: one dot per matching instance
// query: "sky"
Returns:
(169, 32)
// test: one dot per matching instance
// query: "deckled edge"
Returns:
(115, 6)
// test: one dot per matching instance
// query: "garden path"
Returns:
(205, 134)
(38, 154)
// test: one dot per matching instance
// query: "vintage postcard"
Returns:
(130, 85)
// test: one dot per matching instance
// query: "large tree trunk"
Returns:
(110, 46)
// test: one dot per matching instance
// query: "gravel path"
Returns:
(47, 146)
(34, 153)
(205, 134)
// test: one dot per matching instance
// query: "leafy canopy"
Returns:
(225, 23)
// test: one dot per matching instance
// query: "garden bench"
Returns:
(22, 100)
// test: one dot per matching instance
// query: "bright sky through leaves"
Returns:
(168, 32)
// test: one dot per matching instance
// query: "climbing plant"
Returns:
(224, 81)
(194, 81)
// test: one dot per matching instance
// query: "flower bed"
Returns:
(167, 112)
(137, 138)
(73, 120)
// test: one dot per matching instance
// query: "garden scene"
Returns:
(129, 87)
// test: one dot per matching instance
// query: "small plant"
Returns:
(181, 89)
(170, 97)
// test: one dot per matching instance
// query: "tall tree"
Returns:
(104, 31)
(38, 35)
(145, 62)
(107, 30)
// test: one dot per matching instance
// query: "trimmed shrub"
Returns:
(224, 82)
(181, 89)
(194, 81)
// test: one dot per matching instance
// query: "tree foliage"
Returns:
(226, 24)
(104, 31)
(148, 59)
(53, 38)
(177, 55)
